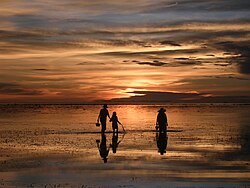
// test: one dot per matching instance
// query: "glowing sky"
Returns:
(80, 51)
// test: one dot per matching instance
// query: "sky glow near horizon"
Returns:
(81, 51)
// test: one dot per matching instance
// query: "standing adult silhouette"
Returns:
(104, 113)
(161, 121)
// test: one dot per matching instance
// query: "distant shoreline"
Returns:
(143, 104)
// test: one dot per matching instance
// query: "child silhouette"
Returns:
(115, 121)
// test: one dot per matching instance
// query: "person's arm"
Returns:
(98, 119)
(108, 114)
(118, 121)
(156, 123)
(166, 120)
(98, 145)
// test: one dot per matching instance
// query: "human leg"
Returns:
(103, 123)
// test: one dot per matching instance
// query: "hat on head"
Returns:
(105, 106)
(105, 160)
(162, 110)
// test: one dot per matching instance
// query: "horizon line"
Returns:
(165, 103)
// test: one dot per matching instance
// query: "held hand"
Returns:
(157, 126)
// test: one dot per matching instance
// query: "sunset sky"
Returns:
(61, 51)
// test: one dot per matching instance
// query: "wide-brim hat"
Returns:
(105, 106)
(105, 160)
(162, 110)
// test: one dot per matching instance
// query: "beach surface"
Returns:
(59, 146)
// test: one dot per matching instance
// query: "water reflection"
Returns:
(103, 149)
(216, 139)
(162, 142)
(116, 141)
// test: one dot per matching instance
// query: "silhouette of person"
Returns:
(115, 121)
(103, 149)
(115, 142)
(162, 142)
(103, 117)
(161, 121)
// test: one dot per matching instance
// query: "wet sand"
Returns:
(56, 146)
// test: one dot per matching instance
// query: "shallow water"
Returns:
(57, 146)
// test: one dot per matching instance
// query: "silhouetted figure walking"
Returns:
(115, 121)
(161, 121)
(103, 117)
(103, 149)
(162, 142)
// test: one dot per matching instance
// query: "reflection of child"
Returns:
(115, 121)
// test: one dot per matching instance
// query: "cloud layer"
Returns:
(83, 51)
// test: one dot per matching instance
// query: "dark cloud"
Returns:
(229, 5)
(172, 97)
(238, 78)
(242, 49)
(17, 35)
(82, 63)
(90, 63)
(153, 52)
(182, 62)
(168, 42)
(229, 77)
(15, 89)
(155, 96)
(197, 5)
(153, 63)
(223, 64)
(189, 63)
(30, 21)
(182, 58)
(40, 69)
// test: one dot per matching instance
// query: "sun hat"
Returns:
(162, 110)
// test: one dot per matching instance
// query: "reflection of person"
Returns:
(103, 150)
(115, 141)
(162, 121)
(103, 116)
(115, 121)
(162, 142)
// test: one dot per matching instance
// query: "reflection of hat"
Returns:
(162, 152)
(105, 160)
(162, 110)
(105, 106)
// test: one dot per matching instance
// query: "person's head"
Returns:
(114, 113)
(162, 110)
(105, 106)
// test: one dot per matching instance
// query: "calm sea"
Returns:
(211, 144)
